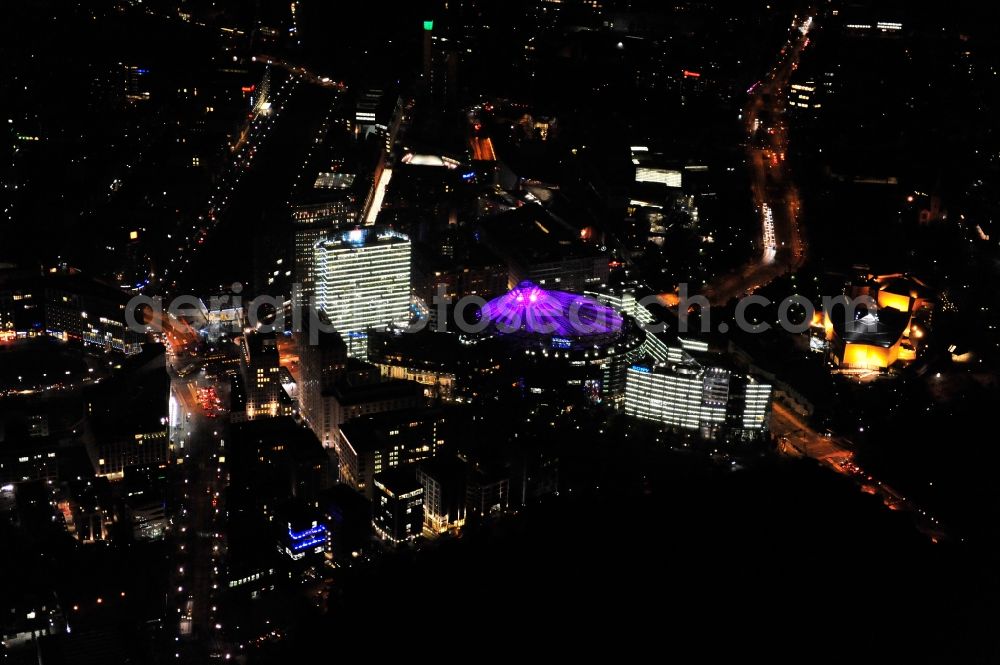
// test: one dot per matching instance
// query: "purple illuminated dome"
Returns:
(531, 309)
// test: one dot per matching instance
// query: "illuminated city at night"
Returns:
(460, 327)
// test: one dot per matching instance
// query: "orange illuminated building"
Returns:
(878, 339)
(869, 356)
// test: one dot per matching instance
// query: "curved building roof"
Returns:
(532, 310)
(883, 327)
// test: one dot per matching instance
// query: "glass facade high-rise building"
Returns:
(363, 281)
(312, 223)
(699, 396)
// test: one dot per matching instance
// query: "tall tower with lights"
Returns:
(363, 281)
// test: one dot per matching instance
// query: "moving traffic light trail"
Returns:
(775, 196)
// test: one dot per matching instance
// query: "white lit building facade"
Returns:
(685, 394)
(363, 281)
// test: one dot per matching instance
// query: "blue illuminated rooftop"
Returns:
(362, 236)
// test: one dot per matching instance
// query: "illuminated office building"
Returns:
(312, 223)
(372, 444)
(699, 396)
(398, 510)
(651, 167)
(627, 301)
(753, 401)
(260, 371)
(349, 399)
(444, 482)
(65, 305)
(322, 361)
(304, 538)
(805, 95)
(363, 281)
(487, 493)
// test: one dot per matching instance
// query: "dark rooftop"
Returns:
(372, 432)
(531, 235)
(135, 398)
(399, 480)
(881, 328)
(350, 394)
